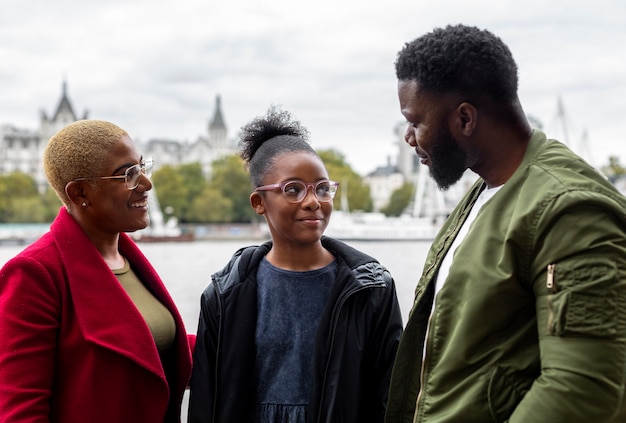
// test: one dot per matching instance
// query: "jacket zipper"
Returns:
(550, 283)
(332, 342)
(454, 231)
(218, 348)
(552, 289)
(423, 366)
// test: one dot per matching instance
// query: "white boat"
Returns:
(427, 214)
(159, 230)
(378, 227)
(21, 233)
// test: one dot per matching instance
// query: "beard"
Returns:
(448, 161)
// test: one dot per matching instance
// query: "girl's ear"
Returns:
(258, 203)
(76, 193)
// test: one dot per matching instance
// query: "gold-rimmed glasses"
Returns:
(131, 175)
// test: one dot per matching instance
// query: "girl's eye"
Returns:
(293, 188)
(323, 188)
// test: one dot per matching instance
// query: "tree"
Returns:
(51, 204)
(194, 179)
(399, 200)
(192, 199)
(351, 185)
(614, 169)
(226, 197)
(20, 201)
(169, 186)
(27, 210)
(211, 207)
(232, 180)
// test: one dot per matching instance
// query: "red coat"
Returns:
(73, 347)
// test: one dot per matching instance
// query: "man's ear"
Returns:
(75, 191)
(466, 118)
(258, 203)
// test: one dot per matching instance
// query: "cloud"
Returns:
(155, 67)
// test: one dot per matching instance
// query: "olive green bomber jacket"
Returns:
(530, 325)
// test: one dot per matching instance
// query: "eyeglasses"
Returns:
(131, 176)
(295, 191)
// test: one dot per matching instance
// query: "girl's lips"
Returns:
(312, 218)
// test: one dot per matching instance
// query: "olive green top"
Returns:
(157, 316)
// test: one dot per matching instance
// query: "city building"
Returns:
(383, 181)
(205, 150)
(428, 200)
(22, 149)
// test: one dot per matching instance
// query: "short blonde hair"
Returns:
(79, 150)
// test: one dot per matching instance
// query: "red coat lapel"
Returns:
(106, 314)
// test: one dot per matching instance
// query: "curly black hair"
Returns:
(264, 138)
(460, 59)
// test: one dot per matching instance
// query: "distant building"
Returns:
(408, 161)
(22, 149)
(383, 182)
(216, 146)
(19, 150)
(427, 200)
(205, 150)
(63, 116)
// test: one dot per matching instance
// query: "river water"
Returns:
(186, 268)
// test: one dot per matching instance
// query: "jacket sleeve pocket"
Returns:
(582, 299)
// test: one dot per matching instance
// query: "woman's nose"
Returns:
(144, 182)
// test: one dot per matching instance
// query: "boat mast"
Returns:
(562, 119)
(345, 207)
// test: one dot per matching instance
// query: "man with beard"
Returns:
(520, 313)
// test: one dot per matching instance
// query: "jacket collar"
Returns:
(102, 306)
(363, 267)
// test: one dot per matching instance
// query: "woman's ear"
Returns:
(75, 191)
(258, 203)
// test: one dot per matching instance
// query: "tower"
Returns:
(217, 127)
(63, 116)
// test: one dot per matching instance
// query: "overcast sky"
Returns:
(155, 67)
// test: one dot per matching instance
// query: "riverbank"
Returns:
(227, 231)
(21, 233)
(25, 233)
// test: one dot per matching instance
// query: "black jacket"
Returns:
(355, 348)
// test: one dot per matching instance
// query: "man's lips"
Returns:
(423, 157)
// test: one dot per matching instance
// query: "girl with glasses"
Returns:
(89, 331)
(303, 328)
